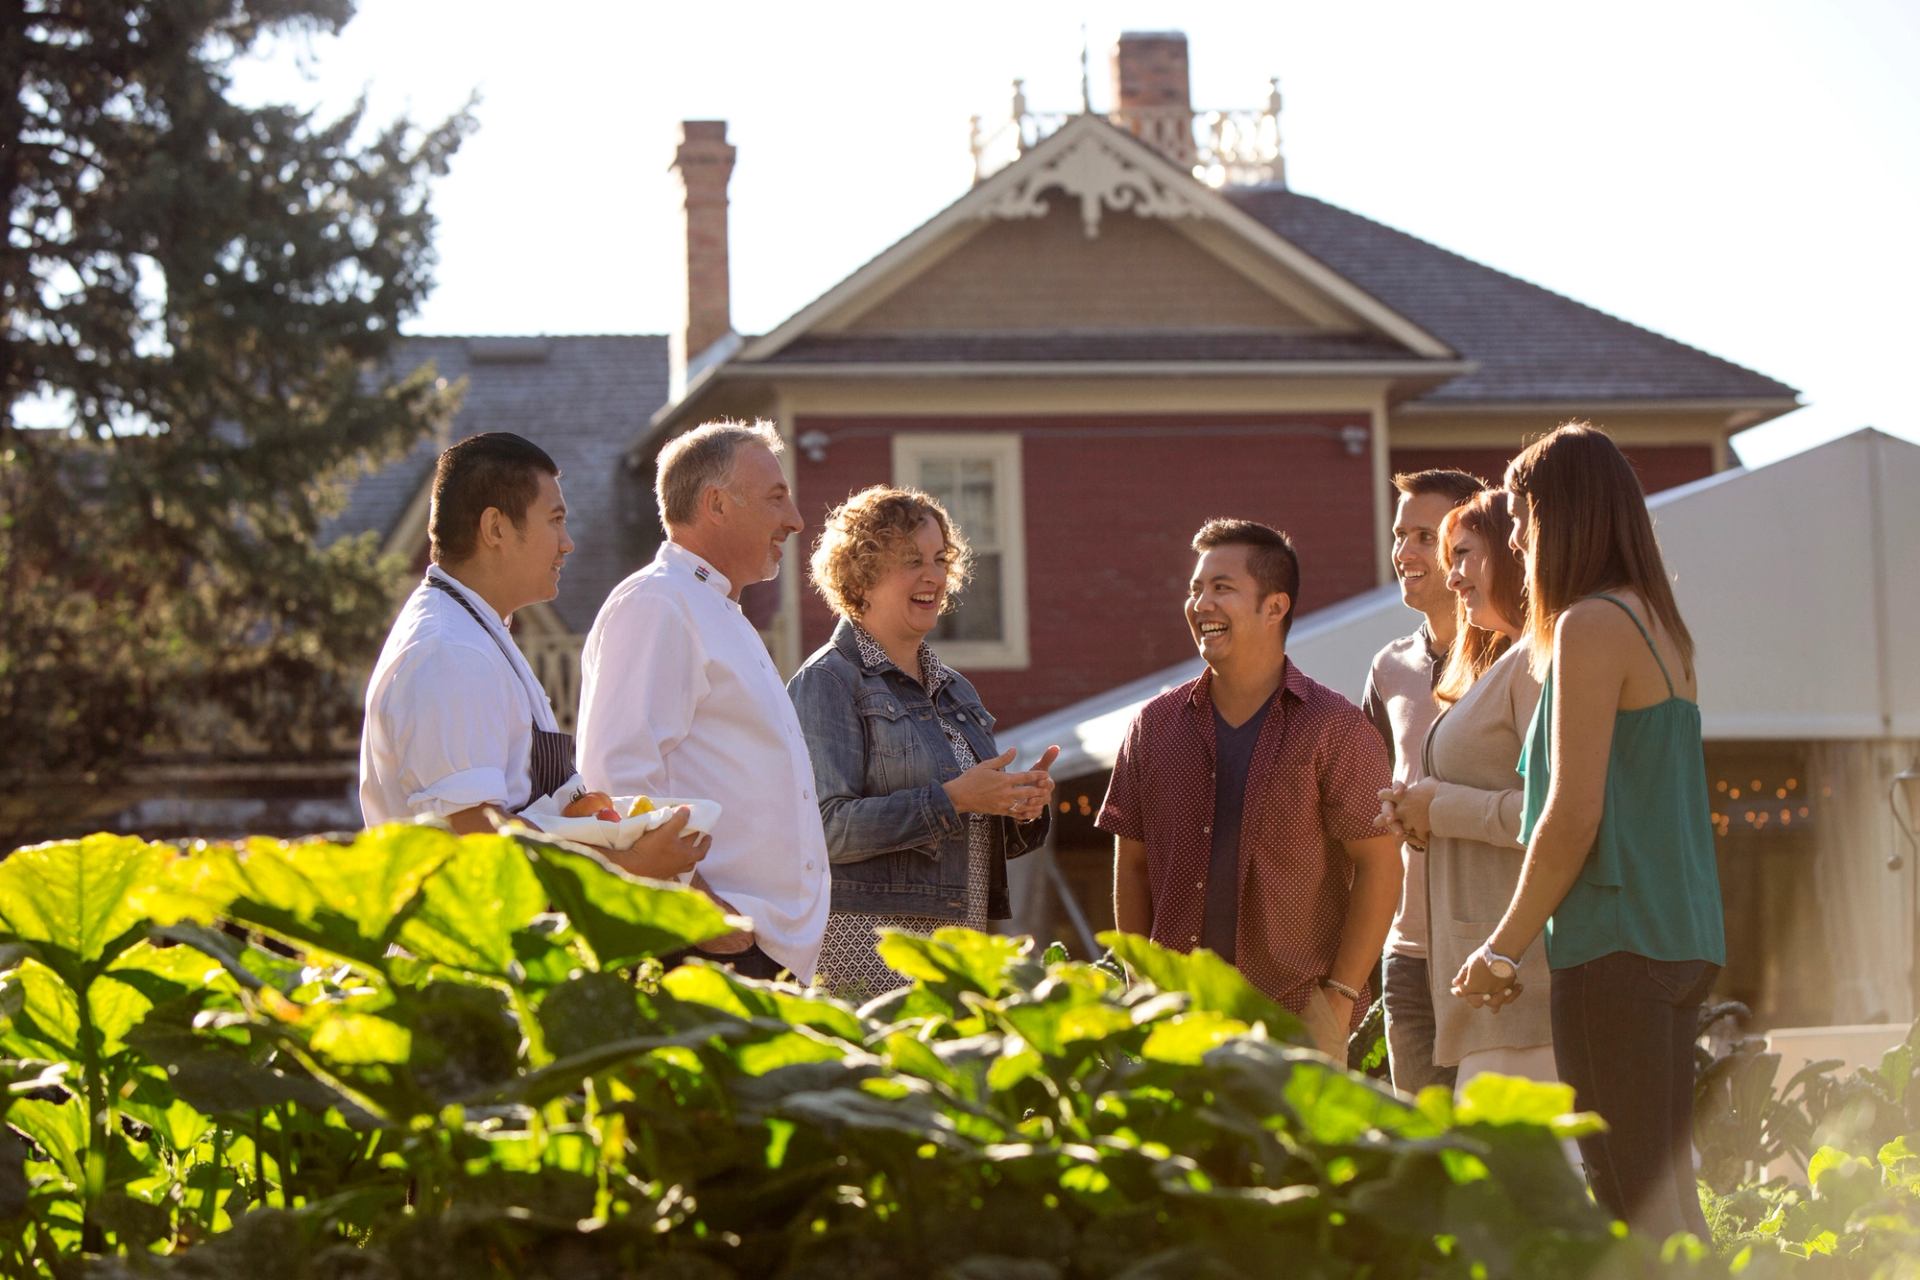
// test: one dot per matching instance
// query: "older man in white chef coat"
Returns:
(457, 726)
(680, 698)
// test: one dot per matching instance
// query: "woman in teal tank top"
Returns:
(1619, 871)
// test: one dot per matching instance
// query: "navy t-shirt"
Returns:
(1232, 756)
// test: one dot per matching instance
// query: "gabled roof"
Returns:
(1102, 168)
(1527, 343)
(1091, 160)
(1453, 332)
(582, 399)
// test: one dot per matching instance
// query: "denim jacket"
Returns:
(896, 844)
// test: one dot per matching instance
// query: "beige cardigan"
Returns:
(1474, 857)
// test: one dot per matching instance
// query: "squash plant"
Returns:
(417, 1055)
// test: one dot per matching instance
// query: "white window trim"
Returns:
(1011, 653)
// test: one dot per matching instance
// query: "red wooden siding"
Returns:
(1111, 506)
(1660, 466)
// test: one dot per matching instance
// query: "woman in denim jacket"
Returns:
(920, 812)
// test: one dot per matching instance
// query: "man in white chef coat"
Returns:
(680, 698)
(457, 726)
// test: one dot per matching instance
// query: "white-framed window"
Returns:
(976, 476)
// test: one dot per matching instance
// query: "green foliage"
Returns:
(386, 1056)
(1856, 1213)
(199, 296)
(1742, 1124)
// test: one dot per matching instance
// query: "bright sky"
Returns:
(1743, 175)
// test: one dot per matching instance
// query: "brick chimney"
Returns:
(1152, 92)
(704, 161)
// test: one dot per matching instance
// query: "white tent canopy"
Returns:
(1786, 575)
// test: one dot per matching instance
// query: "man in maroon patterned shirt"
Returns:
(1243, 802)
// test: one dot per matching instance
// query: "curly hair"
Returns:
(869, 534)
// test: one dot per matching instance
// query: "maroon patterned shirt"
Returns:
(1317, 771)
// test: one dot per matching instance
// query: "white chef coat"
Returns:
(450, 713)
(679, 699)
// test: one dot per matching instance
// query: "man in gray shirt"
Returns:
(1400, 703)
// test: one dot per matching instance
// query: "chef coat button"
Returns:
(1207, 830)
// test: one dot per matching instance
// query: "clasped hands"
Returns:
(989, 788)
(1477, 985)
(1406, 809)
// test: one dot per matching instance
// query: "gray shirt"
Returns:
(1400, 703)
(1232, 756)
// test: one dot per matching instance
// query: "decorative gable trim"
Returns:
(1091, 159)
(1092, 169)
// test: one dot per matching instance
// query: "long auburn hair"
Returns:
(1477, 648)
(1589, 532)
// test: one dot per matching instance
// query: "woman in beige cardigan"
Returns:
(1466, 809)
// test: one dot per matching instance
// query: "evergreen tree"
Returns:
(200, 297)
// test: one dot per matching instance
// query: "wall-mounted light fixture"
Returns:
(1905, 783)
(1355, 439)
(813, 445)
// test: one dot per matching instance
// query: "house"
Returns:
(1129, 324)
(1807, 647)
(1133, 325)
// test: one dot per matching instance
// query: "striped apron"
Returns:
(552, 763)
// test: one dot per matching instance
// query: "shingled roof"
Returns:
(582, 399)
(1528, 343)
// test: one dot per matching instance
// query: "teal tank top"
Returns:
(1650, 884)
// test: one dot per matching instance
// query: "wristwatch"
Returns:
(1498, 965)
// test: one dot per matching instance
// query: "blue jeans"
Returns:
(1623, 1033)
(1408, 998)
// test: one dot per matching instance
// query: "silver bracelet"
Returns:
(1334, 984)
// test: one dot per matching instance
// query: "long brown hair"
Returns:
(1477, 648)
(1589, 531)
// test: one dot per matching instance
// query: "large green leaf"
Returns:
(564, 1075)
(465, 1040)
(707, 987)
(1187, 1038)
(45, 1014)
(588, 1011)
(221, 1077)
(1214, 985)
(348, 900)
(1494, 1099)
(472, 907)
(959, 959)
(341, 1038)
(60, 1129)
(622, 918)
(42, 1013)
(75, 900)
(251, 967)
(1065, 1017)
